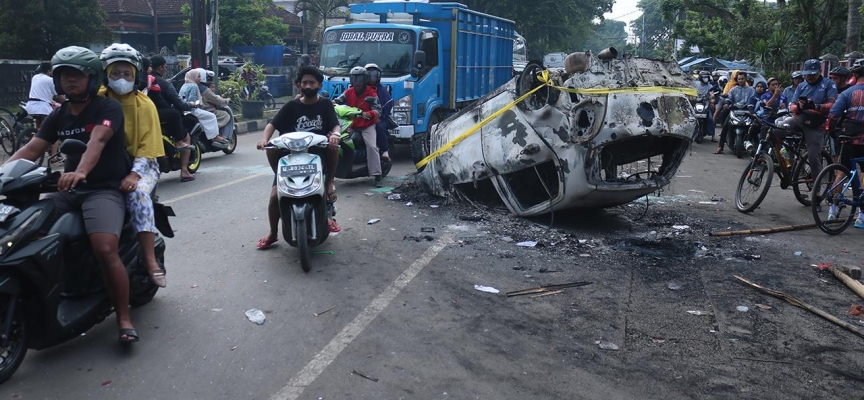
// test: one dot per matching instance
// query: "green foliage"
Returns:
(248, 75)
(248, 22)
(606, 34)
(183, 45)
(317, 11)
(30, 31)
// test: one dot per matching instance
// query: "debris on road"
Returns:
(680, 227)
(699, 312)
(433, 206)
(384, 189)
(763, 306)
(856, 310)
(673, 286)
(606, 345)
(548, 288)
(330, 252)
(362, 375)
(318, 314)
(106, 383)
(427, 230)
(528, 243)
(487, 289)
(471, 218)
(419, 239)
(763, 231)
(742, 308)
(256, 316)
(394, 196)
(193, 286)
(798, 253)
(546, 294)
(853, 284)
(798, 303)
(373, 221)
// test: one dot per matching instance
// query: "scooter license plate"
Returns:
(296, 170)
(6, 212)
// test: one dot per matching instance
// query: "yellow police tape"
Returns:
(544, 77)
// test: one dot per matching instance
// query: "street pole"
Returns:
(214, 34)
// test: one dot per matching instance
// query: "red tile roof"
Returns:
(145, 7)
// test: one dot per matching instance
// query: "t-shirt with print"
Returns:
(114, 163)
(317, 118)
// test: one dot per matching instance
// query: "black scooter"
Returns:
(208, 145)
(51, 287)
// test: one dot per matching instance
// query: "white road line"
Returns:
(217, 187)
(319, 363)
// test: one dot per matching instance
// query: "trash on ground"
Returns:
(763, 231)
(856, 310)
(699, 312)
(680, 227)
(330, 252)
(256, 316)
(716, 199)
(548, 288)
(606, 345)
(369, 194)
(419, 239)
(433, 206)
(216, 309)
(546, 294)
(742, 308)
(824, 266)
(318, 314)
(583, 241)
(384, 189)
(798, 303)
(584, 255)
(763, 306)
(373, 221)
(549, 271)
(472, 218)
(673, 286)
(362, 375)
(106, 383)
(409, 204)
(394, 196)
(233, 348)
(487, 289)
(427, 229)
(193, 286)
(852, 284)
(528, 243)
(798, 254)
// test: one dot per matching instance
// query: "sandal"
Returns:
(157, 277)
(719, 150)
(334, 227)
(131, 336)
(265, 243)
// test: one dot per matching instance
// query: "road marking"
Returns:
(329, 353)
(217, 187)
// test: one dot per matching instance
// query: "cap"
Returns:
(157, 61)
(811, 67)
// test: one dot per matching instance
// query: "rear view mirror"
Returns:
(73, 147)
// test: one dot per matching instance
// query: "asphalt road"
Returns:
(404, 312)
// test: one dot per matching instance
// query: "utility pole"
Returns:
(214, 35)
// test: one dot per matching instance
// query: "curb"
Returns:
(252, 126)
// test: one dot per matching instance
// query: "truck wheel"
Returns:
(421, 145)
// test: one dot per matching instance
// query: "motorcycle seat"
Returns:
(71, 225)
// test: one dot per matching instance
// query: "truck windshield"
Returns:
(392, 50)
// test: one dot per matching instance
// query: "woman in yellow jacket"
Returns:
(143, 143)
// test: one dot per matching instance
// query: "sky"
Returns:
(625, 11)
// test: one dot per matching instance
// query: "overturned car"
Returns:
(602, 132)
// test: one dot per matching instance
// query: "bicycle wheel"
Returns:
(832, 186)
(7, 139)
(754, 183)
(802, 183)
(24, 138)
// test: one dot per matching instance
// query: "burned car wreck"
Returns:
(607, 131)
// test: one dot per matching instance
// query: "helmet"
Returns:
(704, 74)
(123, 52)
(858, 66)
(716, 73)
(796, 74)
(811, 67)
(372, 66)
(842, 72)
(723, 81)
(359, 75)
(374, 72)
(82, 59)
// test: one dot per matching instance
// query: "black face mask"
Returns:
(309, 92)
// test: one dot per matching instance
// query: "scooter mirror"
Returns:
(73, 146)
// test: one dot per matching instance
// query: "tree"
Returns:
(853, 26)
(37, 29)
(320, 11)
(248, 22)
(608, 33)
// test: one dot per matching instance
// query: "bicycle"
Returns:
(837, 180)
(786, 157)
(7, 131)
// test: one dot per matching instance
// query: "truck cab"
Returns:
(435, 58)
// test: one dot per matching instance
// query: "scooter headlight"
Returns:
(299, 186)
(298, 145)
(8, 241)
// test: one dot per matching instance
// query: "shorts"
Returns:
(104, 210)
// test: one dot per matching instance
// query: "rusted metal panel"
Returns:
(559, 150)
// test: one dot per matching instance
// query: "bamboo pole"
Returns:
(856, 286)
(798, 303)
(763, 231)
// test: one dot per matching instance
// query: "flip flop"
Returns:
(265, 243)
(187, 179)
(131, 336)
(718, 151)
(334, 227)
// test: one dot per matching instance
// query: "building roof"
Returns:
(143, 7)
(287, 17)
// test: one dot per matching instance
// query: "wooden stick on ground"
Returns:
(763, 231)
(543, 289)
(798, 303)
(856, 286)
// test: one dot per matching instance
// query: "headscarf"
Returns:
(141, 122)
(202, 86)
(191, 77)
(733, 81)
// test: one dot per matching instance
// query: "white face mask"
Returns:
(121, 86)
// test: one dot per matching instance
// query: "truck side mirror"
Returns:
(419, 63)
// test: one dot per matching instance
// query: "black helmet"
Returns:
(858, 66)
(723, 81)
(123, 52)
(82, 59)
(842, 72)
(705, 74)
(359, 75)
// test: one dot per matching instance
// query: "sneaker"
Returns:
(832, 213)
(859, 223)
(748, 145)
(377, 181)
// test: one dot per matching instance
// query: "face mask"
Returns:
(309, 92)
(121, 86)
(704, 80)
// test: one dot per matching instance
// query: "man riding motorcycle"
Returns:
(356, 96)
(740, 94)
(91, 181)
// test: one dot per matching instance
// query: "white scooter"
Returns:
(301, 192)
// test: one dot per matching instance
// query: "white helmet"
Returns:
(372, 66)
(120, 52)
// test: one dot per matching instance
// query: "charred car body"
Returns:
(615, 129)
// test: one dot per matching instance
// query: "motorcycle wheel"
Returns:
(739, 145)
(195, 158)
(232, 144)
(141, 289)
(12, 355)
(303, 244)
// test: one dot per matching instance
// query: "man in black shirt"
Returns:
(96, 174)
(311, 113)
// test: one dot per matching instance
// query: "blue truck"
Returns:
(435, 58)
